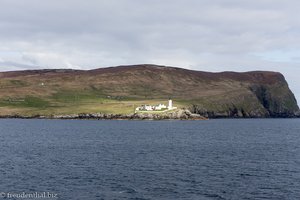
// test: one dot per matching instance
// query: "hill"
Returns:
(120, 89)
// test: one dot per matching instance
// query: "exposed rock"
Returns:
(177, 114)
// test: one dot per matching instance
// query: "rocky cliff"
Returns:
(267, 100)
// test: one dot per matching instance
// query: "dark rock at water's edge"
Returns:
(297, 114)
(235, 112)
(240, 113)
(176, 115)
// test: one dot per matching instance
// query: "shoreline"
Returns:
(178, 115)
(130, 118)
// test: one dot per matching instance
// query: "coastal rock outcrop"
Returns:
(182, 114)
(179, 114)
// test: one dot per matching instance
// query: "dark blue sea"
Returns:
(226, 159)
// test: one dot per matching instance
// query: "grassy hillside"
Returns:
(121, 89)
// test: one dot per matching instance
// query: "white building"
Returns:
(145, 108)
(170, 106)
(158, 107)
(148, 107)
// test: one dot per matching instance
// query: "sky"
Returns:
(206, 35)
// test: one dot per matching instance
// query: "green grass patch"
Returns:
(70, 102)
(26, 102)
(77, 96)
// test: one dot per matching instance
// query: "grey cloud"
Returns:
(9, 66)
(199, 34)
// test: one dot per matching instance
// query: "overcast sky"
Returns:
(207, 35)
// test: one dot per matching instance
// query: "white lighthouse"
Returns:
(170, 106)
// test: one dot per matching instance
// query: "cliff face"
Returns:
(268, 96)
(118, 89)
(267, 101)
(277, 99)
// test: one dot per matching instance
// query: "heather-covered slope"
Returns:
(120, 89)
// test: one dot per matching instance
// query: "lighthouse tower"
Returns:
(170, 106)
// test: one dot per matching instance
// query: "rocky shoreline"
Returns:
(234, 112)
(176, 115)
(179, 114)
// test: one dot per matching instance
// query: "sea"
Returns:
(218, 159)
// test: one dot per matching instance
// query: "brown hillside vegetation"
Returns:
(119, 89)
